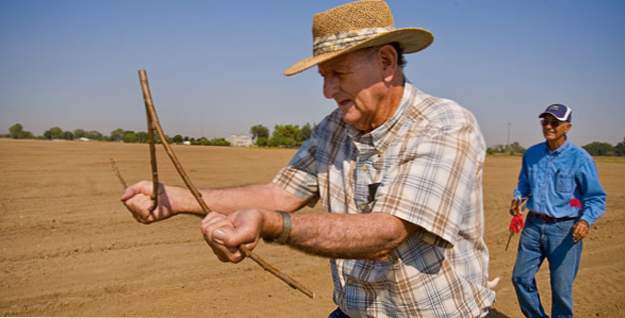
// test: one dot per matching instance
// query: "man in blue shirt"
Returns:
(564, 197)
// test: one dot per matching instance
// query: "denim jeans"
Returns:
(540, 240)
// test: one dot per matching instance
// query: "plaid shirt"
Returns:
(424, 166)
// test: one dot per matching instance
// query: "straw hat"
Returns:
(354, 26)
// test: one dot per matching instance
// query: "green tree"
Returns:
(284, 136)
(599, 148)
(142, 137)
(16, 131)
(304, 133)
(177, 139)
(27, 135)
(512, 149)
(94, 135)
(68, 135)
(54, 133)
(129, 136)
(515, 148)
(218, 142)
(117, 134)
(262, 141)
(259, 131)
(260, 135)
(80, 133)
(619, 149)
(201, 141)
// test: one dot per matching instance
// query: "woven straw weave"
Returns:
(352, 16)
(354, 26)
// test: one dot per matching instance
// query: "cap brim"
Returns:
(543, 114)
(411, 40)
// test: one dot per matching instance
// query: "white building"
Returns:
(240, 140)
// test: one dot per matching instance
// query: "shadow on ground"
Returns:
(494, 313)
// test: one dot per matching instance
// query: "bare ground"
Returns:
(69, 247)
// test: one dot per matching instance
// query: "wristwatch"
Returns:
(283, 238)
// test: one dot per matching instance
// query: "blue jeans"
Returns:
(540, 240)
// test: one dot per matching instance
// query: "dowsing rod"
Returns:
(153, 117)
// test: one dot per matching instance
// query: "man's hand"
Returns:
(580, 230)
(515, 207)
(137, 199)
(225, 234)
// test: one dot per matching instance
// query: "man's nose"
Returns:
(330, 86)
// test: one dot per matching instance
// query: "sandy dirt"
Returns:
(69, 248)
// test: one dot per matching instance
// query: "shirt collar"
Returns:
(381, 137)
(560, 149)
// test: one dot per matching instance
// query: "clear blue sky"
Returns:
(215, 66)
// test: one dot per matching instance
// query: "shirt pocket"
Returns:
(565, 183)
(368, 271)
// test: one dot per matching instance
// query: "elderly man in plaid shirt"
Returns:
(400, 172)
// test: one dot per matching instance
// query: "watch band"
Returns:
(283, 238)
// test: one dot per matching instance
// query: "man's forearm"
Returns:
(372, 235)
(227, 200)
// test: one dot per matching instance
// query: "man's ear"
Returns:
(388, 58)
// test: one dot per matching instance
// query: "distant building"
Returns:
(186, 142)
(240, 140)
(83, 139)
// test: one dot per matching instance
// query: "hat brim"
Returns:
(565, 119)
(411, 40)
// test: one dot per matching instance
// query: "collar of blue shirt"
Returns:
(566, 145)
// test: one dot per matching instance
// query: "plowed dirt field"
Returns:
(69, 248)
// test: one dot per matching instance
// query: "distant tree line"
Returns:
(595, 148)
(605, 149)
(118, 135)
(512, 149)
(284, 136)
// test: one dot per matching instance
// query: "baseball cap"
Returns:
(559, 111)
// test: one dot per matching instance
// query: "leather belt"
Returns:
(550, 219)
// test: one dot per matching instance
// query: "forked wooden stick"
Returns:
(151, 111)
(118, 174)
(147, 97)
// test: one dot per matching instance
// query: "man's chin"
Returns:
(550, 137)
(347, 119)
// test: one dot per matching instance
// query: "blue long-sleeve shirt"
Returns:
(554, 179)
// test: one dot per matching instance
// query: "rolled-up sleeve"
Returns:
(299, 177)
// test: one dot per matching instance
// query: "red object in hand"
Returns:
(576, 203)
(516, 224)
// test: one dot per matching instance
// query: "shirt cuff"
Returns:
(588, 219)
(517, 195)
